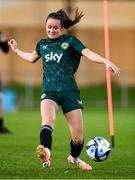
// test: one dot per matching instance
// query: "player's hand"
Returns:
(112, 67)
(13, 44)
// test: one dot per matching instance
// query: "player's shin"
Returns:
(46, 136)
(76, 149)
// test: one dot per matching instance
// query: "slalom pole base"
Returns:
(113, 142)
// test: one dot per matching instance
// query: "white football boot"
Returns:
(79, 163)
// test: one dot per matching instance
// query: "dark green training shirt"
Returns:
(60, 58)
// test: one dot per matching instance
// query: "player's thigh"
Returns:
(48, 112)
(75, 123)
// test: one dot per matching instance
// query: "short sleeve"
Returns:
(77, 45)
(37, 49)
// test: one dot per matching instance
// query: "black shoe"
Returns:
(4, 130)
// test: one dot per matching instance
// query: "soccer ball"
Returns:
(98, 149)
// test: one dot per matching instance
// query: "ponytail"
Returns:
(66, 22)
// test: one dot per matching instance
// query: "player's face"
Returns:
(53, 28)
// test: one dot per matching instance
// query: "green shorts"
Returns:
(68, 100)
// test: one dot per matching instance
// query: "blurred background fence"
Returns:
(24, 21)
(27, 94)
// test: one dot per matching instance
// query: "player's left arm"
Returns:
(99, 59)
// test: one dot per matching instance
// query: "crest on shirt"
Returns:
(43, 96)
(65, 45)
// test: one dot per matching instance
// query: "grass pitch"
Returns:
(17, 151)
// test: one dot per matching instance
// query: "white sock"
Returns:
(75, 160)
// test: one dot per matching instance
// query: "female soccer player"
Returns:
(61, 55)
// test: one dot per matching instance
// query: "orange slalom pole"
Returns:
(108, 75)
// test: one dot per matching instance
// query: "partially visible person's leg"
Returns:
(3, 129)
(5, 49)
(75, 123)
(48, 115)
(1, 114)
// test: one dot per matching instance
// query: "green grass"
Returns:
(17, 151)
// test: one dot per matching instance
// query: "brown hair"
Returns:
(66, 22)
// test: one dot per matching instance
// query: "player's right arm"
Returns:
(30, 57)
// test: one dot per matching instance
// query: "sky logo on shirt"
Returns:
(53, 57)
